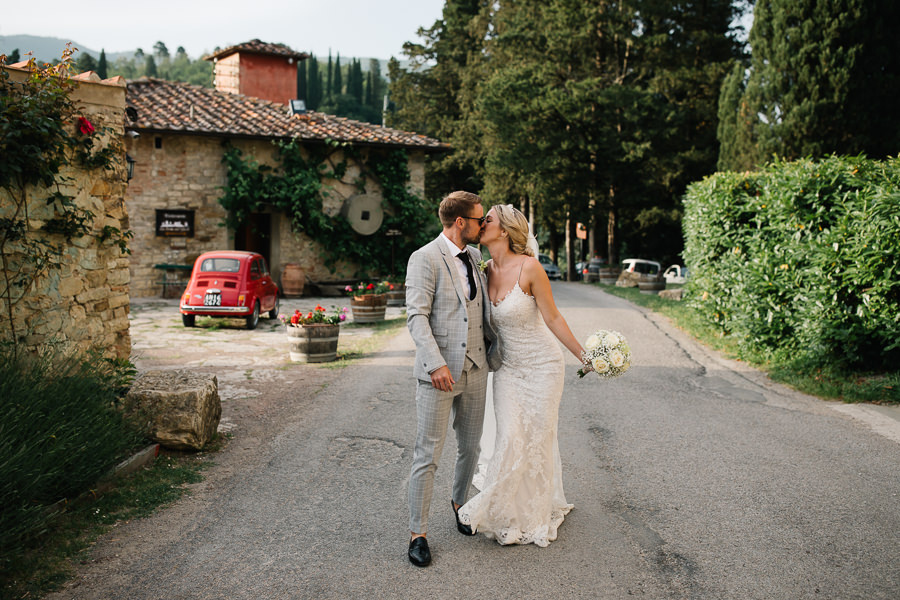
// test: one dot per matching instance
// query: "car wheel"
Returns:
(253, 319)
(273, 314)
(188, 320)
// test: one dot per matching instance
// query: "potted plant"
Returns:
(369, 300)
(396, 296)
(313, 337)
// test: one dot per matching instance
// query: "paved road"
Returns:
(692, 477)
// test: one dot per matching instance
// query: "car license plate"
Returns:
(212, 299)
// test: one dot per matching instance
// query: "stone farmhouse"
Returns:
(176, 135)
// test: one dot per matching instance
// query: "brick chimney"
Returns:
(258, 69)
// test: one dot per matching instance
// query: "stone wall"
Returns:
(83, 304)
(185, 172)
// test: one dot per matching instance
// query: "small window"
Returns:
(255, 270)
(157, 142)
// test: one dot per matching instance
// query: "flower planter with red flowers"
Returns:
(314, 337)
(369, 301)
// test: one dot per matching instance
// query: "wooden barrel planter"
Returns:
(368, 308)
(397, 296)
(651, 284)
(591, 277)
(313, 343)
(292, 280)
(608, 275)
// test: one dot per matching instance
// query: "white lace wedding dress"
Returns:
(521, 499)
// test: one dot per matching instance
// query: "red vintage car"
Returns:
(230, 284)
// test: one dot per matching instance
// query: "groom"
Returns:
(448, 316)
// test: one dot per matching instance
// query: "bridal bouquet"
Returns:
(608, 354)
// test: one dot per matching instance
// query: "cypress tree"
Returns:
(357, 86)
(102, 67)
(314, 84)
(377, 85)
(150, 66)
(337, 82)
(824, 78)
(14, 57)
(329, 78)
(302, 89)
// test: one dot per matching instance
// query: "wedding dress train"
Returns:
(521, 499)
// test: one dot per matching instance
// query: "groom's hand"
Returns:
(442, 379)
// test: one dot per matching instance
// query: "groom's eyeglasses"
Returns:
(480, 220)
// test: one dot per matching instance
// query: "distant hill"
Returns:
(45, 49)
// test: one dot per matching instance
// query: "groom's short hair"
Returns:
(457, 204)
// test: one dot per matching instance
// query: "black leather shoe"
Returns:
(419, 554)
(462, 527)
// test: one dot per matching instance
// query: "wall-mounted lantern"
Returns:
(129, 162)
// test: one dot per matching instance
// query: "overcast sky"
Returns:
(364, 28)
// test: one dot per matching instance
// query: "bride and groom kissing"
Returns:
(466, 322)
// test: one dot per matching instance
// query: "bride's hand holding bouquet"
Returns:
(606, 353)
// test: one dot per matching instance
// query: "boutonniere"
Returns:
(482, 265)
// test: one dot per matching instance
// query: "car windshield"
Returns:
(220, 265)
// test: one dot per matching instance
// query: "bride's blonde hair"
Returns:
(514, 223)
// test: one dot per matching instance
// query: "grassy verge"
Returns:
(50, 560)
(817, 380)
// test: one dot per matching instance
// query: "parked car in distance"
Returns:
(639, 265)
(550, 267)
(676, 274)
(230, 283)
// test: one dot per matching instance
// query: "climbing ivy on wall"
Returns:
(41, 133)
(296, 188)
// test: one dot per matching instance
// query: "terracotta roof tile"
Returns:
(258, 47)
(169, 106)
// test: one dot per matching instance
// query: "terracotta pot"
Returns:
(312, 343)
(292, 279)
(368, 308)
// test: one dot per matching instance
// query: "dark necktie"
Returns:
(464, 256)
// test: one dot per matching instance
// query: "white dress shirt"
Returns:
(460, 265)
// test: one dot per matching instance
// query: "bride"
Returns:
(522, 500)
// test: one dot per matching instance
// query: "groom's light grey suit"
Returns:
(448, 329)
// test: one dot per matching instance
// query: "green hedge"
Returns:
(59, 433)
(800, 259)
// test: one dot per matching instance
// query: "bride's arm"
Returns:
(537, 283)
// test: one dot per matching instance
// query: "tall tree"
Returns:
(102, 66)
(329, 78)
(14, 57)
(824, 78)
(337, 79)
(150, 67)
(355, 82)
(85, 62)
(314, 83)
(377, 86)
(160, 50)
(435, 96)
(302, 82)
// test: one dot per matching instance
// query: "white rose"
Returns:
(616, 358)
(600, 365)
(593, 342)
(611, 340)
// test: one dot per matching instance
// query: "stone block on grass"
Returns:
(180, 409)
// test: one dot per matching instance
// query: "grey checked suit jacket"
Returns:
(436, 311)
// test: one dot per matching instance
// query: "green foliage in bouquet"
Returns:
(799, 260)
